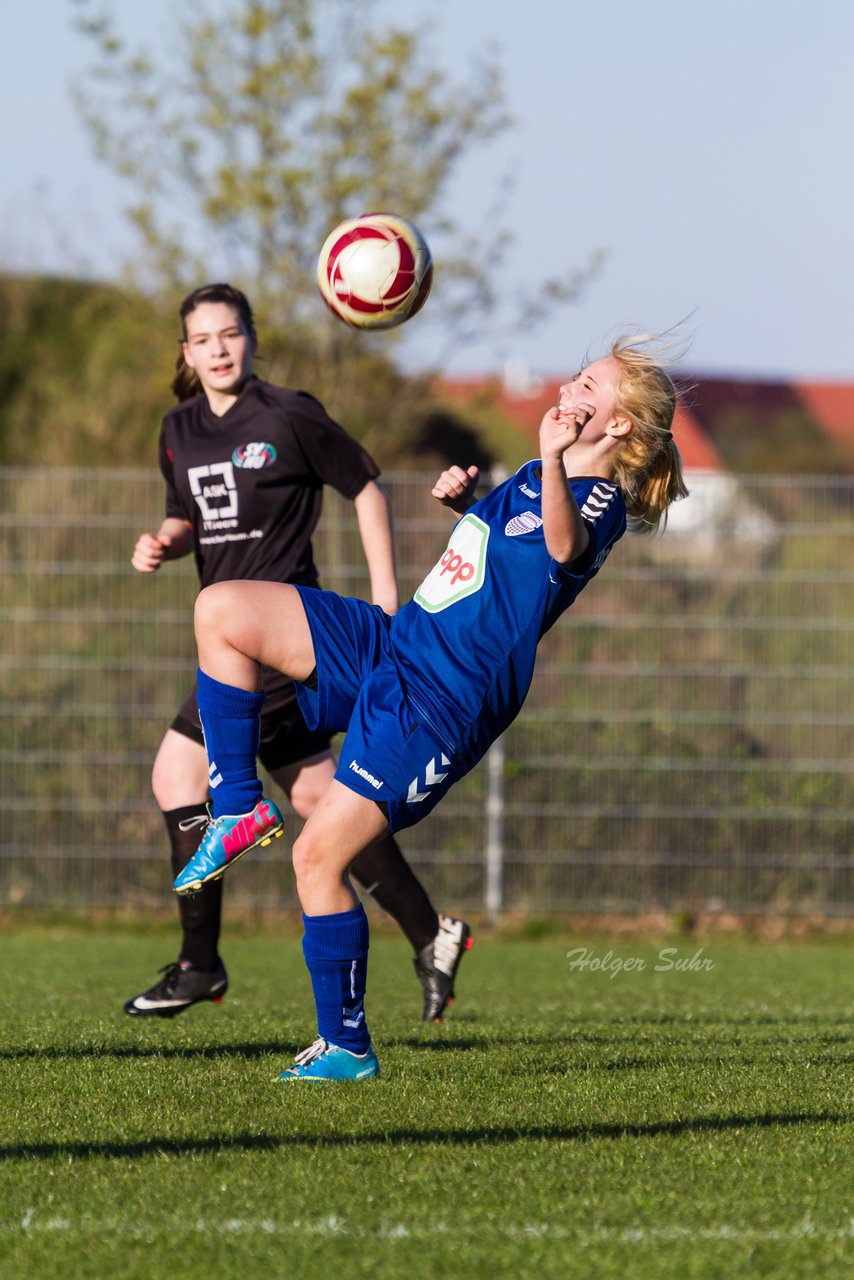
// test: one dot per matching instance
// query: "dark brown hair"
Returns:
(186, 384)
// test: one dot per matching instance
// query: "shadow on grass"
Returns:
(738, 1052)
(118, 1052)
(215, 1052)
(409, 1137)
(722, 1019)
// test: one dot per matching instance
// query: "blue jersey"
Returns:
(465, 645)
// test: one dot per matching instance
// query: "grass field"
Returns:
(562, 1122)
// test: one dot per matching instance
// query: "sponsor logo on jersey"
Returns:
(215, 491)
(527, 522)
(461, 570)
(529, 493)
(254, 455)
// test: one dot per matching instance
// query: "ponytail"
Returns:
(653, 487)
(648, 467)
(186, 383)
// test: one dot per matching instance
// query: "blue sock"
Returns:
(231, 723)
(336, 953)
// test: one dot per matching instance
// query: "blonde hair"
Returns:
(647, 466)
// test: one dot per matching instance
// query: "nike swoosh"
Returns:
(142, 1002)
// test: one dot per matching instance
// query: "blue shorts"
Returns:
(386, 756)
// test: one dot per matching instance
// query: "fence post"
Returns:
(494, 851)
(494, 848)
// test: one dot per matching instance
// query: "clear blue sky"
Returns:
(706, 147)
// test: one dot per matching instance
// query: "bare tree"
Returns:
(264, 125)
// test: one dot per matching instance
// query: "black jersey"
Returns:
(250, 482)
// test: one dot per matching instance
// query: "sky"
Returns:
(704, 146)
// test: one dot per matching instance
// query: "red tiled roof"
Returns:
(829, 405)
(832, 406)
(526, 412)
(695, 446)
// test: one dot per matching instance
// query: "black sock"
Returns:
(200, 912)
(385, 874)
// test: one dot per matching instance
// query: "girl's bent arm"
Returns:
(172, 540)
(566, 533)
(455, 488)
(373, 512)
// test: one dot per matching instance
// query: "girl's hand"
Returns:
(560, 430)
(149, 552)
(455, 488)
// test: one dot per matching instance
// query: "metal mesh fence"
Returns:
(687, 743)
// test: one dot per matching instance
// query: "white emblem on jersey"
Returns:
(529, 493)
(598, 500)
(214, 484)
(527, 522)
(432, 775)
(461, 570)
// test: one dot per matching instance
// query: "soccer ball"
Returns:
(375, 271)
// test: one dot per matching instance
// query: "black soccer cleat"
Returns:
(179, 988)
(437, 965)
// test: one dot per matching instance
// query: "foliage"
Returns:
(85, 370)
(779, 439)
(268, 121)
(261, 125)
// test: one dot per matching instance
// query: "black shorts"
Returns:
(285, 738)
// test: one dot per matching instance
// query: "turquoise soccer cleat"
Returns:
(324, 1061)
(227, 839)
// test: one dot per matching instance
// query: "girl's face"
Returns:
(218, 347)
(595, 386)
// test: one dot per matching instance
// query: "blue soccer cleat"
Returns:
(324, 1061)
(227, 839)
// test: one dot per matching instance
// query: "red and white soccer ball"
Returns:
(375, 271)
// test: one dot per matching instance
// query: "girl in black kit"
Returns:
(245, 463)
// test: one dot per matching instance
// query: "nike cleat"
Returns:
(437, 965)
(227, 839)
(322, 1061)
(181, 987)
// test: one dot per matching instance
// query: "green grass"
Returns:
(560, 1123)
